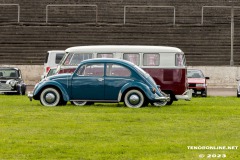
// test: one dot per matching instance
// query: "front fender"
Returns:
(38, 89)
(138, 85)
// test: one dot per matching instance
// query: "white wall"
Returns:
(220, 76)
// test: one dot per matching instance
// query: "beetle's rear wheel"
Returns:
(134, 99)
(160, 103)
(79, 103)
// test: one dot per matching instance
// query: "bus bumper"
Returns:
(187, 95)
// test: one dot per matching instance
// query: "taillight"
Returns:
(47, 69)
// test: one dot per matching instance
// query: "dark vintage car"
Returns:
(11, 81)
(100, 80)
(197, 82)
(238, 87)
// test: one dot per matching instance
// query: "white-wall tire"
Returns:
(159, 104)
(50, 97)
(134, 99)
(79, 103)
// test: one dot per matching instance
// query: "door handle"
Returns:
(100, 79)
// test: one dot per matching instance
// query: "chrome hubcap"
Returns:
(50, 97)
(134, 99)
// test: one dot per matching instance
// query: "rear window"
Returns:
(46, 58)
(59, 58)
(180, 60)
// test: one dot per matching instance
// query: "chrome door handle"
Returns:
(100, 79)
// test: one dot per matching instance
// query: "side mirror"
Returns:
(207, 78)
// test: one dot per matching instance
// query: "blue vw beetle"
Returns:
(100, 80)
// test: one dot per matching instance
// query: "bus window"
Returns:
(132, 57)
(152, 59)
(76, 58)
(179, 60)
(103, 55)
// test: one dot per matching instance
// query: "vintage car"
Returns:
(238, 87)
(100, 80)
(197, 82)
(11, 81)
(166, 65)
(50, 72)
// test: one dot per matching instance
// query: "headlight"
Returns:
(11, 82)
(200, 85)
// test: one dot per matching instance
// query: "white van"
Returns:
(52, 60)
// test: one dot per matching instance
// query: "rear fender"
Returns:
(136, 85)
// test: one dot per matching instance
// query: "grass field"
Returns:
(112, 131)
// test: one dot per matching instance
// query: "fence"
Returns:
(18, 6)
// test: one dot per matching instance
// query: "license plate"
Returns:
(198, 92)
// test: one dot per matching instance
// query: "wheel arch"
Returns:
(132, 88)
(63, 93)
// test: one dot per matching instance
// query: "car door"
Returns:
(116, 77)
(88, 82)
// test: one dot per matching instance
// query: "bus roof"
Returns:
(122, 49)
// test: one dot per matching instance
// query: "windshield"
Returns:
(51, 72)
(8, 73)
(74, 59)
(195, 74)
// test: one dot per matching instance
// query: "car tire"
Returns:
(204, 93)
(159, 104)
(134, 99)
(50, 97)
(79, 103)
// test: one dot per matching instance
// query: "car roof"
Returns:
(194, 70)
(56, 51)
(123, 49)
(108, 60)
(9, 68)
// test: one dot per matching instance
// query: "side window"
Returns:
(132, 57)
(104, 55)
(117, 71)
(152, 59)
(59, 58)
(91, 70)
(179, 60)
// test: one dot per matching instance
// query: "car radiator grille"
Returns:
(192, 85)
(5, 87)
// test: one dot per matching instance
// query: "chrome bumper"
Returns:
(30, 96)
(163, 99)
(187, 95)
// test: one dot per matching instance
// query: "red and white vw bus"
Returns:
(167, 65)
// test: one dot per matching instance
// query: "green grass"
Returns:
(112, 131)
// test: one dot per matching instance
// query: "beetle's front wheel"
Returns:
(50, 97)
(134, 99)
